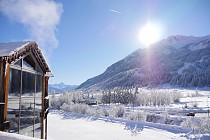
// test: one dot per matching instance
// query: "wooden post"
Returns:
(5, 72)
(1, 80)
(42, 113)
(6, 91)
(46, 94)
(1, 95)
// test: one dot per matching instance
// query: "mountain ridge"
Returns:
(178, 60)
(60, 87)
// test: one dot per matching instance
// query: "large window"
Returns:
(38, 106)
(25, 98)
(13, 108)
(27, 104)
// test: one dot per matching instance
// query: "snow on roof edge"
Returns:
(8, 48)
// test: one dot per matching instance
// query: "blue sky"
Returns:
(90, 35)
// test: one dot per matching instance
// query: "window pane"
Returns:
(18, 63)
(38, 69)
(27, 104)
(14, 100)
(38, 106)
(28, 62)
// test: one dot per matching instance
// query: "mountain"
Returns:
(178, 60)
(60, 88)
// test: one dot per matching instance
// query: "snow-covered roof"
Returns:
(14, 50)
(7, 49)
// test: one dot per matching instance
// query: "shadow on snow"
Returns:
(134, 127)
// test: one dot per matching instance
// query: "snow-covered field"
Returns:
(167, 121)
(65, 126)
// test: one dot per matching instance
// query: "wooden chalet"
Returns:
(24, 100)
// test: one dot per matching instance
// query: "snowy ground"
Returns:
(65, 126)
(12, 136)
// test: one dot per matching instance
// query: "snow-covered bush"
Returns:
(68, 98)
(94, 111)
(196, 94)
(207, 123)
(104, 112)
(66, 107)
(199, 124)
(137, 116)
(187, 123)
(117, 111)
(55, 103)
(75, 108)
(91, 111)
(185, 105)
(176, 97)
(154, 118)
(167, 119)
(79, 108)
(163, 119)
(195, 104)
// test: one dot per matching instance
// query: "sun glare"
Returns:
(149, 34)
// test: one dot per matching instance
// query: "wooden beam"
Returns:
(42, 113)
(1, 81)
(6, 91)
(1, 95)
(5, 72)
(46, 94)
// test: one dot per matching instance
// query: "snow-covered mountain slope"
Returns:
(61, 87)
(177, 60)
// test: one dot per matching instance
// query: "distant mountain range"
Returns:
(178, 60)
(60, 88)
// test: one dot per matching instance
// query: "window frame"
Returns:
(36, 71)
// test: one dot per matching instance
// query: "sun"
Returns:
(149, 34)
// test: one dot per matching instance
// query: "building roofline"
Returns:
(19, 51)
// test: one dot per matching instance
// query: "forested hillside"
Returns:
(177, 60)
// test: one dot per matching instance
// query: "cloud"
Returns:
(115, 11)
(40, 17)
